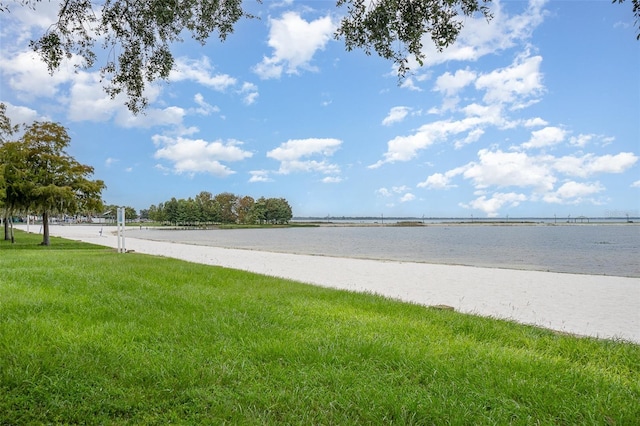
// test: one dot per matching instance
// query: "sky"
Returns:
(533, 114)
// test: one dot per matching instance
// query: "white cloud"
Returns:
(22, 115)
(399, 189)
(28, 75)
(297, 148)
(505, 169)
(291, 155)
(384, 192)
(548, 136)
(396, 115)
(636, 184)
(581, 140)
(170, 116)
(332, 179)
(540, 174)
(407, 197)
(405, 148)
(199, 156)
(110, 161)
(516, 84)
(204, 107)
(472, 136)
(410, 81)
(576, 189)
(250, 93)
(437, 181)
(38, 15)
(573, 192)
(294, 42)
(590, 164)
(491, 206)
(260, 176)
(498, 169)
(479, 38)
(200, 71)
(402, 191)
(534, 122)
(450, 84)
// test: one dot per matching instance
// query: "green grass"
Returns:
(91, 336)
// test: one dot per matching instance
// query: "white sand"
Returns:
(590, 305)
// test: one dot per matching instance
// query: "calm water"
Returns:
(589, 249)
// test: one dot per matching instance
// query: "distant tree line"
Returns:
(225, 208)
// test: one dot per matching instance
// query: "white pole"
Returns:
(124, 250)
(120, 219)
(118, 227)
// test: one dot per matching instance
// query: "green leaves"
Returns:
(395, 28)
(136, 37)
(39, 174)
(636, 13)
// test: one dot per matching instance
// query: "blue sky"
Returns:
(536, 113)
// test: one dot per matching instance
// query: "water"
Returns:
(602, 249)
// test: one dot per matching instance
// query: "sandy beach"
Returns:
(589, 305)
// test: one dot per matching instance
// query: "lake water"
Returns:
(601, 249)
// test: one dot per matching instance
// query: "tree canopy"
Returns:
(142, 32)
(138, 34)
(40, 176)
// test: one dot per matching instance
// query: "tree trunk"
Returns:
(45, 229)
(7, 236)
(13, 240)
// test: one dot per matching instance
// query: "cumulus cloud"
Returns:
(295, 155)
(405, 148)
(82, 93)
(573, 192)
(294, 42)
(396, 115)
(581, 140)
(548, 136)
(260, 176)
(28, 75)
(438, 181)
(400, 193)
(249, 91)
(636, 184)
(204, 108)
(513, 86)
(199, 156)
(450, 84)
(407, 197)
(202, 72)
(384, 192)
(491, 205)
(518, 84)
(504, 169)
(153, 117)
(22, 115)
(479, 37)
(332, 179)
(591, 164)
(538, 174)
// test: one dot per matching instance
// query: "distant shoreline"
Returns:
(464, 223)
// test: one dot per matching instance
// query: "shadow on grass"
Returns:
(29, 241)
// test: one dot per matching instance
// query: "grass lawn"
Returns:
(88, 335)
